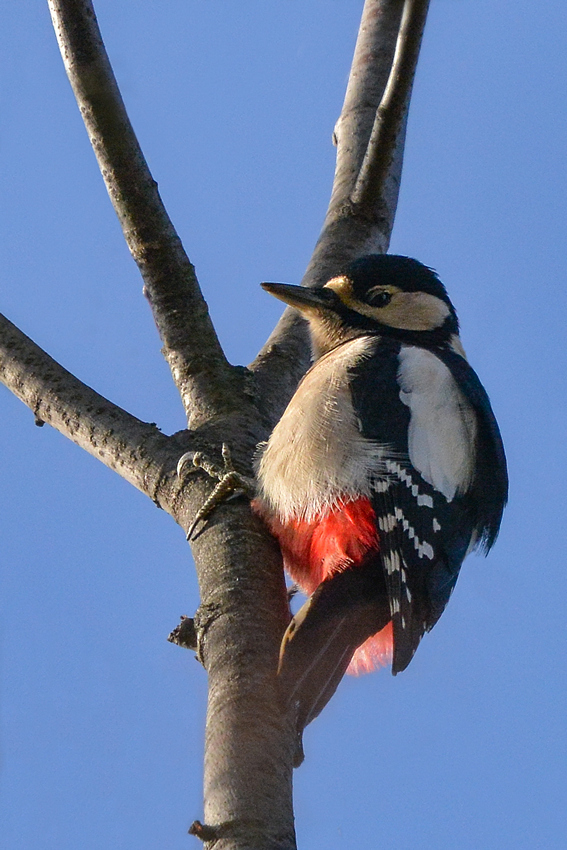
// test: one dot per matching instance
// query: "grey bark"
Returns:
(250, 744)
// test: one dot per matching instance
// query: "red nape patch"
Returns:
(374, 653)
(314, 550)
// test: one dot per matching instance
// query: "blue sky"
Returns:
(101, 723)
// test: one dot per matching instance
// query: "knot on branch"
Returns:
(204, 832)
(184, 634)
(250, 831)
(205, 615)
(191, 631)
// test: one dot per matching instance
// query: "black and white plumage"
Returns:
(385, 470)
(444, 487)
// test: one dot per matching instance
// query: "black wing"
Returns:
(424, 536)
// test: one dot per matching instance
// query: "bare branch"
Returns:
(244, 611)
(134, 449)
(249, 742)
(281, 364)
(371, 69)
(369, 135)
(200, 370)
(392, 112)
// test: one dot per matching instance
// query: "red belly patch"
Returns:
(315, 550)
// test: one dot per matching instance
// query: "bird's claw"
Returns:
(230, 482)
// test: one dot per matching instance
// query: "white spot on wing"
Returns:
(422, 547)
(442, 430)
(392, 562)
(423, 499)
(387, 523)
(380, 485)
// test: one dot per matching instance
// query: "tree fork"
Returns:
(250, 744)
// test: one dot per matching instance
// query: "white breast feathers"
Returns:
(316, 454)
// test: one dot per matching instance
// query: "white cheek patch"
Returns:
(418, 311)
(410, 311)
(442, 430)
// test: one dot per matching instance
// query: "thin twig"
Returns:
(199, 368)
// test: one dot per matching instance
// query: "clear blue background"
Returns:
(102, 720)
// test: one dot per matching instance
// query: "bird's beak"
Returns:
(301, 297)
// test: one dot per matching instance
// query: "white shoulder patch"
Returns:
(442, 431)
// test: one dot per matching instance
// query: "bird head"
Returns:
(382, 294)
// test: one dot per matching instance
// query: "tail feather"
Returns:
(320, 641)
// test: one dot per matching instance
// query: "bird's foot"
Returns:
(230, 482)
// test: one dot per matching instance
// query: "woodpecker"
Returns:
(384, 472)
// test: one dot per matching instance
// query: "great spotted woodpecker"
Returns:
(384, 472)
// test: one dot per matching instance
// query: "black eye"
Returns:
(380, 298)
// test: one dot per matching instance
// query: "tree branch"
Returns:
(203, 376)
(369, 135)
(249, 742)
(250, 745)
(281, 363)
(371, 69)
(134, 449)
(389, 122)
